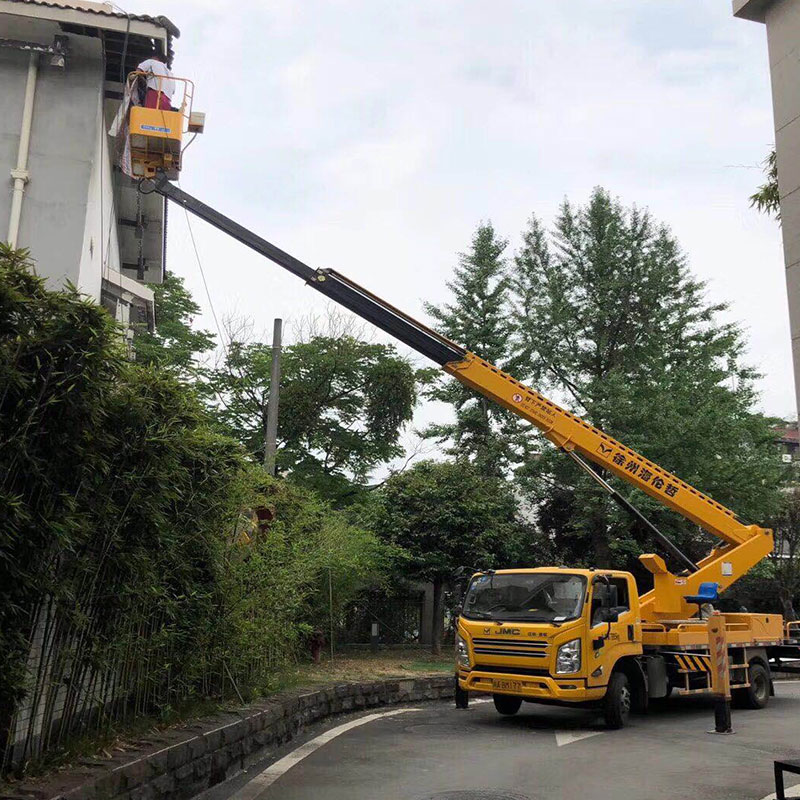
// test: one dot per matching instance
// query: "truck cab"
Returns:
(552, 635)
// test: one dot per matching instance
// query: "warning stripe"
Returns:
(694, 663)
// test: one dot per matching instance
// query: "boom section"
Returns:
(570, 432)
(562, 428)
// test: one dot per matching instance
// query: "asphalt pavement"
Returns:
(432, 751)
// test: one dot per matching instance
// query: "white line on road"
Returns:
(789, 791)
(568, 737)
(264, 779)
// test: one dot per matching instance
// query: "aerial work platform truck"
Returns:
(554, 634)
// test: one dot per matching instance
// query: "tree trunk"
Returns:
(437, 628)
(602, 552)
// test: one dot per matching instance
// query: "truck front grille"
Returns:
(504, 647)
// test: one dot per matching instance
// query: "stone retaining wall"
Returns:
(179, 763)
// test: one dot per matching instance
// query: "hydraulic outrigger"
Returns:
(651, 643)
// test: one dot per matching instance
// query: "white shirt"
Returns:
(160, 78)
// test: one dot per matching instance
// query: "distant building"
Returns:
(788, 442)
(62, 70)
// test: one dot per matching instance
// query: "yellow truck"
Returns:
(578, 637)
(553, 634)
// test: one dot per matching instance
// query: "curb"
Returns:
(180, 763)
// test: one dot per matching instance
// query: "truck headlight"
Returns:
(568, 658)
(462, 652)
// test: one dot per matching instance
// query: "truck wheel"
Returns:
(462, 697)
(617, 702)
(756, 695)
(506, 704)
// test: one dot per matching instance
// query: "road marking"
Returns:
(568, 737)
(788, 791)
(263, 780)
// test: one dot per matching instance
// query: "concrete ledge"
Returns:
(179, 763)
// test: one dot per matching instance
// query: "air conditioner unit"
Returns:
(786, 458)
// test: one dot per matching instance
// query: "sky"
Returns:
(372, 136)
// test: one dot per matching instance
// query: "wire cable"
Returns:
(205, 282)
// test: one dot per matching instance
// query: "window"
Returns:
(613, 594)
(526, 596)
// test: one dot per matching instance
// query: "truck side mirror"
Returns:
(610, 615)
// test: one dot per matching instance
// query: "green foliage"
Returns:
(124, 537)
(174, 344)
(612, 322)
(343, 404)
(785, 559)
(477, 319)
(276, 585)
(767, 198)
(442, 515)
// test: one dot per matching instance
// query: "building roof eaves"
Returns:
(93, 11)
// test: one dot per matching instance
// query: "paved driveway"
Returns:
(436, 751)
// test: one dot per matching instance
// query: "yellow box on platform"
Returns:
(155, 123)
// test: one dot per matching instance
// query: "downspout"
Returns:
(20, 173)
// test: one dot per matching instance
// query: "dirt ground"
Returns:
(356, 666)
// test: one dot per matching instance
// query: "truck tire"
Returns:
(506, 704)
(756, 695)
(617, 702)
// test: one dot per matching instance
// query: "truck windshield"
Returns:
(527, 596)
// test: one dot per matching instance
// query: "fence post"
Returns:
(373, 638)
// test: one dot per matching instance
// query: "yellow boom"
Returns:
(742, 546)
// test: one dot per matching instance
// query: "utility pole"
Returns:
(271, 437)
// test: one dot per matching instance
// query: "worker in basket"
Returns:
(160, 87)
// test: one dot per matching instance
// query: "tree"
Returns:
(477, 319)
(174, 344)
(767, 198)
(786, 556)
(443, 515)
(144, 553)
(343, 405)
(613, 324)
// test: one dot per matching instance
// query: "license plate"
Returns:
(507, 686)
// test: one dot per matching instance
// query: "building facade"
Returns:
(782, 21)
(63, 65)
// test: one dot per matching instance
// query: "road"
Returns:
(433, 751)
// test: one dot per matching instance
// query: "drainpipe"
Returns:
(20, 173)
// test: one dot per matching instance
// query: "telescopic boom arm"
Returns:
(742, 546)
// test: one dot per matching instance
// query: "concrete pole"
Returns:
(271, 438)
(20, 172)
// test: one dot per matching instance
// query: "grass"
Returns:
(371, 666)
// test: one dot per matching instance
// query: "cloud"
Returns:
(372, 136)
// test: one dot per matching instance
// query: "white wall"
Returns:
(100, 250)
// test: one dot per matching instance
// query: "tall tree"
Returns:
(443, 515)
(343, 405)
(477, 319)
(613, 324)
(175, 344)
(786, 556)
